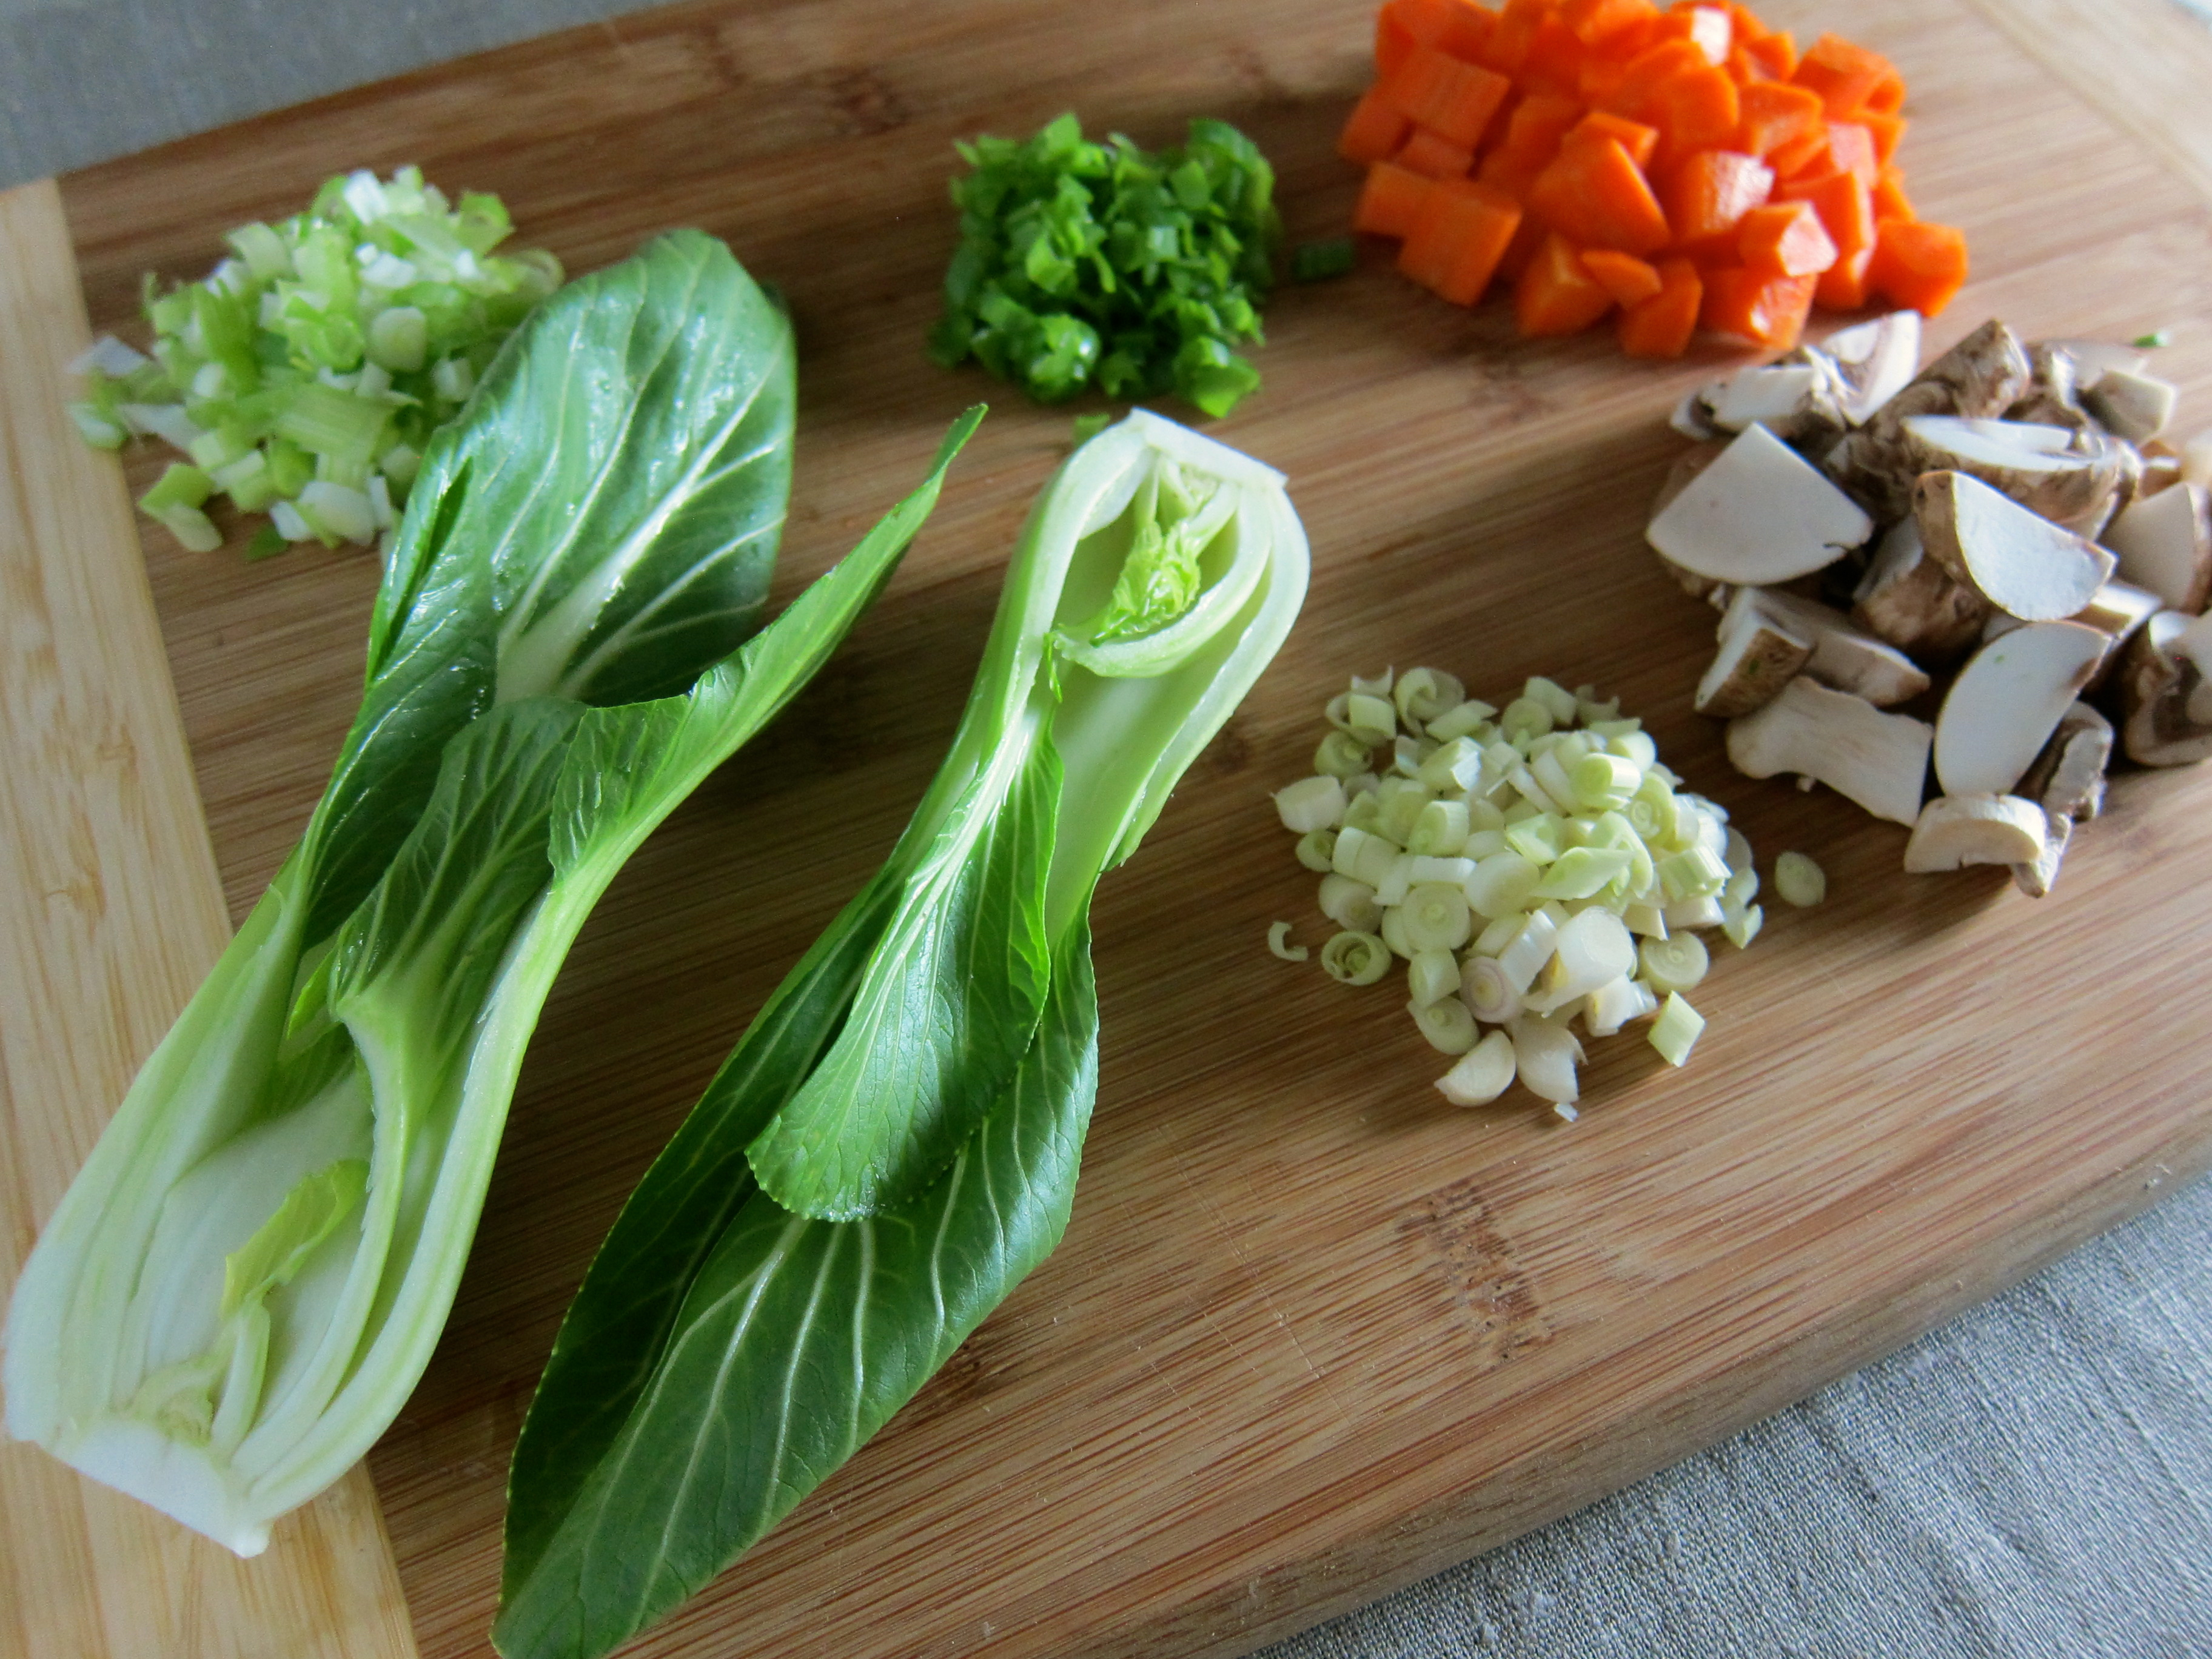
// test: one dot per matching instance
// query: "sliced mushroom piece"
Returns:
(1693, 415)
(1912, 601)
(1687, 465)
(2165, 545)
(2197, 459)
(2129, 404)
(2052, 398)
(2094, 359)
(1793, 401)
(2158, 470)
(2075, 489)
(1878, 759)
(2119, 610)
(2038, 875)
(2022, 564)
(1759, 512)
(1757, 657)
(2007, 700)
(1843, 656)
(1873, 360)
(2068, 778)
(2164, 717)
(1982, 376)
(1953, 831)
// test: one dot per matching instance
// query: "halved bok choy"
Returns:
(243, 1284)
(894, 1143)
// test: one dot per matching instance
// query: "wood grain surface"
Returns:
(1312, 1332)
(110, 912)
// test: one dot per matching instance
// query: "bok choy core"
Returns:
(244, 1282)
(894, 1143)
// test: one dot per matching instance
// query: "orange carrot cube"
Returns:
(1842, 73)
(1842, 285)
(1773, 115)
(1852, 149)
(1555, 294)
(1845, 204)
(1375, 129)
(1709, 194)
(1390, 200)
(1698, 110)
(1594, 194)
(1638, 140)
(1458, 239)
(1434, 156)
(1890, 201)
(1662, 325)
(1452, 99)
(1761, 310)
(1629, 280)
(1785, 239)
(1918, 264)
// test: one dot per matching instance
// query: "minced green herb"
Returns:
(1084, 264)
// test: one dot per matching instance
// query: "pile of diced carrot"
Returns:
(1687, 166)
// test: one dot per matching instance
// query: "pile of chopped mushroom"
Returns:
(2004, 527)
(1530, 865)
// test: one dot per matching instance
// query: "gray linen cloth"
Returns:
(2033, 1481)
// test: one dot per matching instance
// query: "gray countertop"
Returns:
(2031, 1480)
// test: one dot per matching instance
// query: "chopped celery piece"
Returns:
(333, 344)
(1674, 1033)
(181, 486)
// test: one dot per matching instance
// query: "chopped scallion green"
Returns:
(1100, 265)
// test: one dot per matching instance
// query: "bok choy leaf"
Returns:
(243, 1284)
(894, 1143)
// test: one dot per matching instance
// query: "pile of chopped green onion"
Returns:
(1531, 866)
(304, 376)
(1084, 264)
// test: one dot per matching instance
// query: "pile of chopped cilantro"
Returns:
(1084, 264)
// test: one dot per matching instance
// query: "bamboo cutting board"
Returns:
(1312, 1333)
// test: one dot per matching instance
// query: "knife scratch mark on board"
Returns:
(1485, 1275)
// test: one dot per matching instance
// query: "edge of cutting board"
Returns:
(109, 898)
(110, 914)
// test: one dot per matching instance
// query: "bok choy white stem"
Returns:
(894, 1143)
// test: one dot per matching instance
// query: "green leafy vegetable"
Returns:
(894, 1142)
(305, 376)
(248, 1275)
(1084, 264)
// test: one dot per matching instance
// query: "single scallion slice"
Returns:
(1799, 880)
(1674, 963)
(1484, 1072)
(1355, 959)
(1447, 1025)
